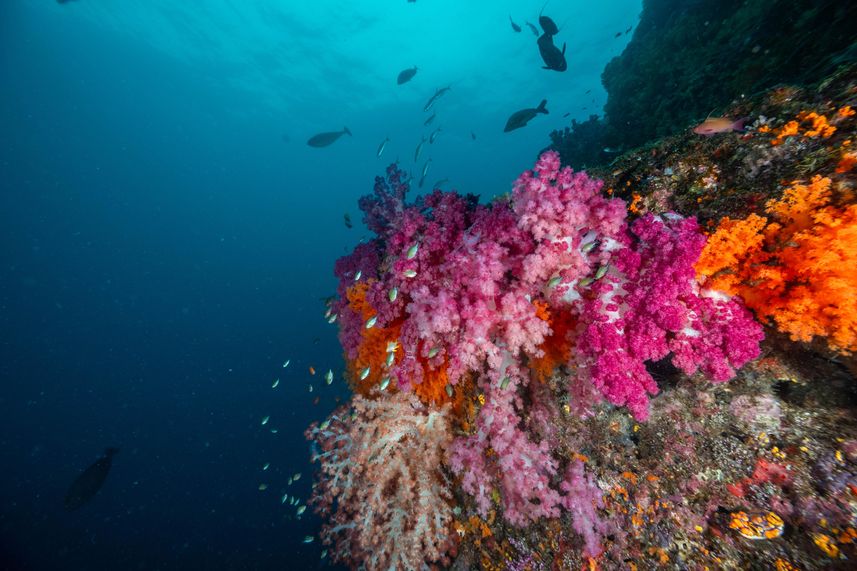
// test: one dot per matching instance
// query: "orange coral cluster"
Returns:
(556, 347)
(800, 270)
(818, 126)
(372, 353)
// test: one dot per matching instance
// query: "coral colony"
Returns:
(452, 321)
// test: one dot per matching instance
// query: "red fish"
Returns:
(714, 125)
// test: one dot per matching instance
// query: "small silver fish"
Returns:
(286, 364)
(410, 273)
(419, 149)
(265, 420)
(585, 282)
(274, 431)
(392, 346)
(310, 388)
(449, 390)
(308, 539)
(385, 382)
(332, 318)
(425, 169)
(323, 553)
(300, 510)
(290, 481)
(412, 251)
(263, 487)
(365, 373)
(285, 497)
(266, 466)
(429, 120)
(276, 383)
(391, 357)
(433, 352)
(324, 425)
(370, 323)
(600, 272)
(434, 135)
(297, 476)
(328, 377)
(555, 281)
(358, 275)
(393, 294)
(589, 246)
(505, 382)
(381, 147)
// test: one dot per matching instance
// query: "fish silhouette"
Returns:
(90, 481)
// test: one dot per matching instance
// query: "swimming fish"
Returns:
(308, 539)
(406, 75)
(714, 125)
(425, 171)
(472, 135)
(358, 275)
(554, 58)
(533, 28)
(433, 352)
(275, 384)
(385, 382)
(391, 358)
(300, 510)
(327, 138)
(393, 294)
(547, 24)
(286, 364)
(347, 218)
(381, 149)
(419, 149)
(364, 373)
(520, 118)
(435, 97)
(429, 120)
(434, 135)
(265, 420)
(263, 487)
(90, 481)
(410, 273)
(266, 466)
(311, 370)
(328, 377)
(412, 251)
(515, 26)
(370, 323)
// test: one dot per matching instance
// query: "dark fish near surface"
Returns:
(547, 24)
(90, 481)
(521, 118)
(406, 75)
(430, 119)
(553, 58)
(347, 219)
(472, 135)
(515, 26)
(533, 28)
(617, 34)
(325, 139)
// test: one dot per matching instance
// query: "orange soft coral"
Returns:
(372, 351)
(556, 348)
(799, 271)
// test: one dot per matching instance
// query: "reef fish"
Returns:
(90, 481)
(328, 138)
(515, 26)
(552, 56)
(714, 125)
(533, 28)
(406, 75)
(521, 118)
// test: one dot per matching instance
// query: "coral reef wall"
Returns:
(687, 59)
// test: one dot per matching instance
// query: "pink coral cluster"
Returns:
(465, 285)
(382, 492)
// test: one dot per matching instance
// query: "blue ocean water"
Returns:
(167, 238)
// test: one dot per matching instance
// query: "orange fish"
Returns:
(713, 125)
(311, 371)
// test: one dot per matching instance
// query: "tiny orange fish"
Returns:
(311, 371)
(713, 125)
